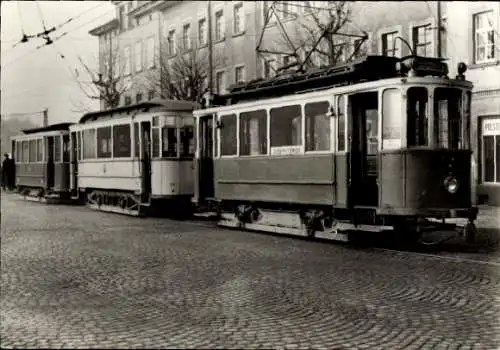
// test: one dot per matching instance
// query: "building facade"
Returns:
(146, 31)
(473, 37)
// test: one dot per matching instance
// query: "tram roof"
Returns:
(53, 127)
(171, 105)
(369, 68)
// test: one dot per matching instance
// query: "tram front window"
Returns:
(448, 118)
(417, 121)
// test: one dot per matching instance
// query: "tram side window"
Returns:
(39, 150)
(89, 144)
(253, 133)
(79, 143)
(32, 150)
(447, 117)
(341, 142)
(65, 150)
(286, 126)
(168, 142)
(187, 142)
(121, 141)
(391, 119)
(57, 149)
(104, 142)
(26, 152)
(137, 144)
(156, 142)
(317, 126)
(19, 152)
(417, 119)
(228, 135)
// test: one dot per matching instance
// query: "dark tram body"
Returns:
(379, 144)
(42, 163)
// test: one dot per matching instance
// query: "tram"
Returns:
(380, 144)
(42, 163)
(133, 159)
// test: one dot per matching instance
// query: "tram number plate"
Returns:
(285, 150)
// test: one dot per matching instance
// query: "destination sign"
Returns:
(491, 126)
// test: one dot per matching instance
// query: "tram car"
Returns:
(381, 144)
(42, 163)
(135, 158)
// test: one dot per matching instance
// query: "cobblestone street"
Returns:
(72, 277)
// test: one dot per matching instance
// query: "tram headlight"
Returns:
(451, 184)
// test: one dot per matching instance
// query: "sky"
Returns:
(34, 79)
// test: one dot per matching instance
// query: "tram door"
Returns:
(50, 162)
(363, 189)
(75, 142)
(146, 159)
(205, 162)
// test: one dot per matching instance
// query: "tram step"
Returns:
(206, 215)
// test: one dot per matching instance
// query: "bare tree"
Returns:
(105, 85)
(179, 77)
(318, 35)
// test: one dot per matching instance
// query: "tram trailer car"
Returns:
(381, 144)
(135, 159)
(42, 163)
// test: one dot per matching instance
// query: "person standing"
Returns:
(5, 171)
(12, 173)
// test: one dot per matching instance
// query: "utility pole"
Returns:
(439, 29)
(210, 49)
(46, 117)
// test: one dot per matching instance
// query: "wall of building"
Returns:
(485, 109)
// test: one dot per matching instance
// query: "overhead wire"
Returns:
(64, 34)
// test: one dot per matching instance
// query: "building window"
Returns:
(389, 47)
(422, 40)
(138, 97)
(202, 31)
(186, 37)
(126, 69)
(484, 37)
(219, 25)
(150, 53)
(171, 43)
(138, 56)
(239, 74)
(151, 95)
(122, 18)
(490, 134)
(239, 17)
(220, 82)
(129, 22)
(268, 68)
(128, 100)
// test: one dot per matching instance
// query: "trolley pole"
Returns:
(439, 28)
(45, 117)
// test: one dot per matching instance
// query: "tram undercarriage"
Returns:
(119, 202)
(42, 195)
(341, 224)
